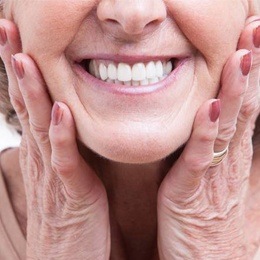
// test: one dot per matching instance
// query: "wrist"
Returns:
(192, 249)
(64, 246)
(205, 241)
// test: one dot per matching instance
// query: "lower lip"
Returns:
(131, 90)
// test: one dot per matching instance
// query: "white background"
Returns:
(8, 136)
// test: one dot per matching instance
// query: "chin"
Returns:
(134, 146)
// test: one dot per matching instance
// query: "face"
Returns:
(144, 111)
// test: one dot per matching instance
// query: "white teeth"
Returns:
(92, 68)
(144, 82)
(150, 70)
(159, 69)
(96, 69)
(110, 81)
(139, 74)
(124, 72)
(153, 81)
(119, 82)
(168, 68)
(127, 83)
(162, 78)
(103, 71)
(135, 83)
(112, 71)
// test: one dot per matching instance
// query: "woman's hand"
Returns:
(201, 209)
(67, 206)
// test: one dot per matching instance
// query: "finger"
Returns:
(77, 177)
(36, 99)
(10, 44)
(234, 84)
(185, 177)
(250, 39)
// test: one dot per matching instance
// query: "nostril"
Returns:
(112, 21)
(135, 18)
(153, 23)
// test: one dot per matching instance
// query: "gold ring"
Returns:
(219, 157)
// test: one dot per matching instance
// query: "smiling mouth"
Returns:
(135, 74)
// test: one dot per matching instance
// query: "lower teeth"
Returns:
(136, 83)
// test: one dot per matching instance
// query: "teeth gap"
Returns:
(85, 65)
(174, 63)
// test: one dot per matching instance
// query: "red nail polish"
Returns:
(57, 113)
(246, 63)
(18, 67)
(3, 36)
(215, 111)
(256, 37)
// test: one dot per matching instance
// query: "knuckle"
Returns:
(60, 140)
(82, 201)
(205, 135)
(39, 133)
(207, 138)
(21, 112)
(196, 165)
(256, 62)
(23, 115)
(30, 93)
(63, 166)
(17, 103)
(249, 109)
(226, 132)
(35, 166)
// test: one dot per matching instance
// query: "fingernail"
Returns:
(57, 113)
(214, 111)
(256, 37)
(18, 67)
(246, 63)
(3, 36)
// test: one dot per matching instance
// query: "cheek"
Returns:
(213, 27)
(48, 27)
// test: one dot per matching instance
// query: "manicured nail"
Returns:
(18, 67)
(57, 113)
(256, 37)
(3, 36)
(246, 63)
(215, 111)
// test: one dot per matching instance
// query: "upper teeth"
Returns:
(139, 73)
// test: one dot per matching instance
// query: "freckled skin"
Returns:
(119, 129)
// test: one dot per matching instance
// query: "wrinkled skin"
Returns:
(201, 209)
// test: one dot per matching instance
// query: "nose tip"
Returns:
(132, 16)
